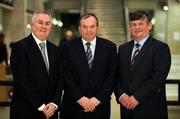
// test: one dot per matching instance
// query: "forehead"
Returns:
(42, 16)
(139, 21)
(89, 20)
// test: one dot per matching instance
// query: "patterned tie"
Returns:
(42, 45)
(89, 55)
(137, 48)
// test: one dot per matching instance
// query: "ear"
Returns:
(129, 27)
(98, 29)
(79, 29)
(31, 23)
(150, 25)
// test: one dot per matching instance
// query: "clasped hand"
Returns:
(89, 104)
(49, 110)
(129, 102)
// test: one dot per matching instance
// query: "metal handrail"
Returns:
(168, 81)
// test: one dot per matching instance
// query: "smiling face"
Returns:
(88, 28)
(140, 28)
(41, 25)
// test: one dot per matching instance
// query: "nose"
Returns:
(88, 29)
(137, 26)
(43, 25)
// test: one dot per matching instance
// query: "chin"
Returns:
(138, 36)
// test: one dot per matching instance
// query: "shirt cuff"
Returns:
(41, 107)
(54, 105)
(121, 96)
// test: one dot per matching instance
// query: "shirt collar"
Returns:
(141, 42)
(93, 42)
(37, 40)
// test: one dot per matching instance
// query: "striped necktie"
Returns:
(137, 48)
(89, 55)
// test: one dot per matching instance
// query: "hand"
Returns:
(49, 110)
(133, 101)
(85, 103)
(124, 100)
(95, 102)
(129, 101)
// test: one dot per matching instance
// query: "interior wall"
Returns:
(173, 24)
(159, 28)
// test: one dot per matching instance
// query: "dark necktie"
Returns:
(137, 48)
(89, 55)
(42, 45)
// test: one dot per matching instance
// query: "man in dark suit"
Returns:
(90, 64)
(68, 35)
(3, 50)
(37, 81)
(143, 65)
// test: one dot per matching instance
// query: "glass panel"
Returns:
(175, 68)
(6, 93)
(5, 86)
(1, 28)
(30, 4)
(172, 92)
(8, 2)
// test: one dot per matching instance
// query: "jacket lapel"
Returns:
(97, 53)
(141, 54)
(50, 57)
(37, 53)
(129, 53)
(82, 54)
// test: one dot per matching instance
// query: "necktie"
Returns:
(89, 55)
(42, 45)
(137, 48)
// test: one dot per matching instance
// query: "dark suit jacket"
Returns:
(3, 53)
(32, 85)
(145, 80)
(81, 81)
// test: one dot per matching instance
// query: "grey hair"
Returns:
(40, 12)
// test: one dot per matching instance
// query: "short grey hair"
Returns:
(40, 12)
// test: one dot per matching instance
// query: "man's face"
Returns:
(140, 29)
(69, 35)
(41, 26)
(88, 28)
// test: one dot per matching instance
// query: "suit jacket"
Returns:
(3, 53)
(81, 81)
(32, 85)
(145, 80)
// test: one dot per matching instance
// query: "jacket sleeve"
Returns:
(68, 78)
(59, 79)
(119, 88)
(108, 86)
(22, 83)
(161, 66)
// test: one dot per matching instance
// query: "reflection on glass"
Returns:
(172, 92)
(5, 94)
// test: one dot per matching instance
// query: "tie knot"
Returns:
(137, 45)
(42, 45)
(88, 44)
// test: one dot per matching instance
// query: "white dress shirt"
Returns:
(39, 41)
(92, 46)
(141, 42)
(46, 53)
